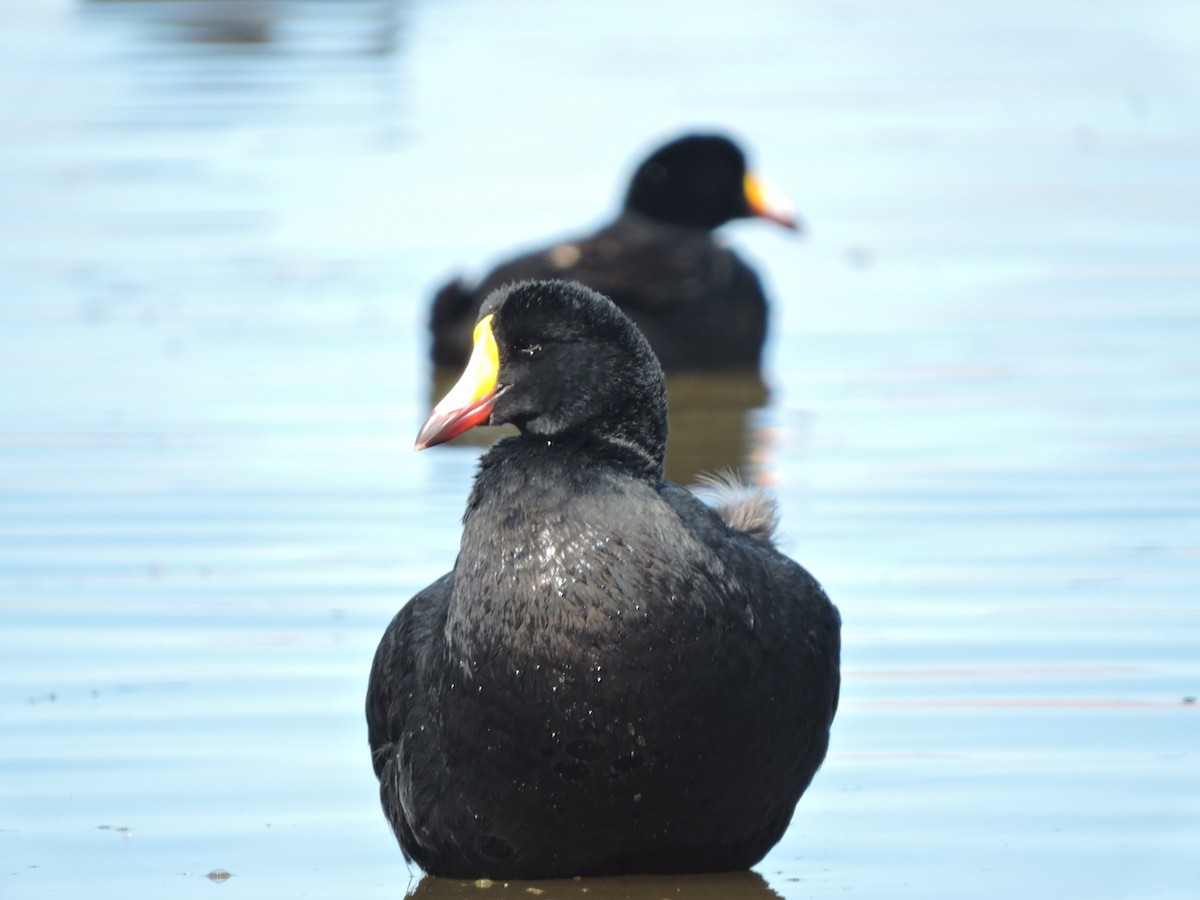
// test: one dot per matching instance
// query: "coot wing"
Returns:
(400, 703)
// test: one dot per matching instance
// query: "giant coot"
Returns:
(613, 677)
(700, 306)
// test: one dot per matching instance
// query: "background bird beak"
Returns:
(470, 401)
(768, 203)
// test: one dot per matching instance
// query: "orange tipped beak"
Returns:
(470, 401)
(768, 203)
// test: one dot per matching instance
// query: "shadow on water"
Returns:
(725, 886)
(709, 421)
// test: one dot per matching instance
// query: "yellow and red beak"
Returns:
(470, 401)
(768, 203)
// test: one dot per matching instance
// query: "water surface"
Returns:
(221, 225)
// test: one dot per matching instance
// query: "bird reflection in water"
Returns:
(362, 28)
(709, 421)
(723, 886)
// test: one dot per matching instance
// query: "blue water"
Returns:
(221, 223)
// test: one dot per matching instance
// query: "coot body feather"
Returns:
(611, 679)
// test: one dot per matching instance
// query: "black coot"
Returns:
(700, 306)
(613, 678)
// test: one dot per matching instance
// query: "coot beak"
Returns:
(768, 203)
(470, 401)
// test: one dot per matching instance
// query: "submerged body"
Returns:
(611, 679)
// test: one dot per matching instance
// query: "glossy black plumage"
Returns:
(611, 679)
(700, 306)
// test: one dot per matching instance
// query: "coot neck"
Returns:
(657, 217)
(514, 464)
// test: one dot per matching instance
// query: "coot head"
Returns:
(702, 181)
(560, 362)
